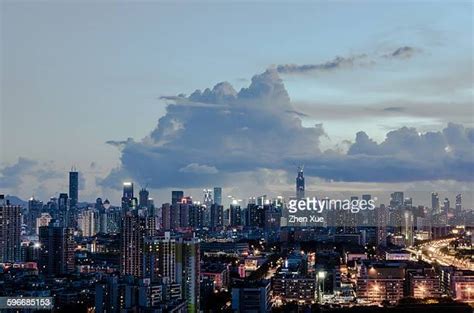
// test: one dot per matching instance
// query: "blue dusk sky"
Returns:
(369, 95)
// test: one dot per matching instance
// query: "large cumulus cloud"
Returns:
(213, 133)
(209, 136)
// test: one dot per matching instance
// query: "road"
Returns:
(432, 252)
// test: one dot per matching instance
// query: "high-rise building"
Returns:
(188, 266)
(74, 188)
(43, 220)
(382, 223)
(217, 215)
(407, 227)
(206, 209)
(35, 208)
(10, 229)
(435, 202)
(132, 239)
(128, 200)
(174, 259)
(88, 222)
(143, 198)
(458, 203)
(300, 187)
(446, 205)
(218, 195)
(63, 208)
(176, 196)
(160, 258)
(396, 199)
(57, 249)
(235, 214)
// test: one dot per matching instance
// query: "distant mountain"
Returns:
(14, 200)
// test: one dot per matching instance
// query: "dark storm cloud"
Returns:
(213, 135)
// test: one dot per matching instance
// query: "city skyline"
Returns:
(238, 157)
(304, 91)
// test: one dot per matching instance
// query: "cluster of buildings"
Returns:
(190, 256)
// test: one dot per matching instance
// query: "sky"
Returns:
(367, 95)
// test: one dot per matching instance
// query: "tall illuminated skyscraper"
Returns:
(132, 243)
(73, 188)
(407, 227)
(300, 183)
(127, 196)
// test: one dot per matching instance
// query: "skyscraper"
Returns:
(235, 214)
(188, 267)
(132, 240)
(458, 203)
(174, 259)
(382, 222)
(300, 184)
(34, 211)
(10, 228)
(206, 208)
(396, 199)
(57, 249)
(217, 215)
(160, 258)
(176, 196)
(446, 205)
(143, 198)
(88, 222)
(127, 196)
(435, 202)
(63, 208)
(407, 227)
(218, 195)
(73, 188)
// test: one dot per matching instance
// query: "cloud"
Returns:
(394, 109)
(337, 63)
(119, 143)
(213, 136)
(11, 175)
(404, 52)
(27, 176)
(198, 169)
(236, 132)
(405, 155)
